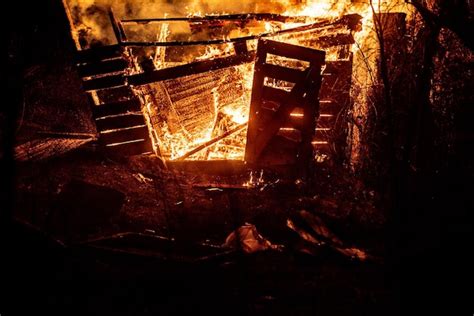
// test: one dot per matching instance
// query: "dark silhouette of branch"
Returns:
(453, 15)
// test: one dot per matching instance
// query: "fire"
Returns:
(176, 137)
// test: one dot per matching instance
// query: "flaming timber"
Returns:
(196, 109)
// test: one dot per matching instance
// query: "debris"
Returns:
(269, 185)
(312, 229)
(215, 189)
(306, 236)
(141, 178)
(250, 240)
(319, 227)
(255, 180)
(179, 203)
(354, 253)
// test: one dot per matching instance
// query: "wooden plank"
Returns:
(240, 48)
(294, 51)
(104, 82)
(282, 73)
(102, 67)
(228, 17)
(115, 94)
(115, 108)
(122, 121)
(189, 69)
(124, 135)
(98, 53)
(129, 149)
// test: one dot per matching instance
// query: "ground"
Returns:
(192, 209)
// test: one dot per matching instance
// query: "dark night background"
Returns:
(430, 240)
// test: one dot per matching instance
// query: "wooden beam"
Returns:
(102, 67)
(99, 53)
(124, 135)
(115, 108)
(129, 149)
(350, 21)
(293, 51)
(281, 73)
(121, 121)
(104, 82)
(229, 17)
(189, 69)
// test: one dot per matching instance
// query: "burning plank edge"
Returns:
(246, 16)
(351, 21)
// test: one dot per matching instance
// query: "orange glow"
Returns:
(173, 138)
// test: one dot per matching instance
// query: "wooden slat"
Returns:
(102, 67)
(281, 73)
(189, 69)
(104, 82)
(294, 51)
(124, 135)
(129, 149)
(115, 108)
(241, 48)
(122, 121)
(98, 53)
(116, 94)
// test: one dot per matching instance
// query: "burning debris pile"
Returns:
(192, 79)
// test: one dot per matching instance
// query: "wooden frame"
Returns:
(264, 123)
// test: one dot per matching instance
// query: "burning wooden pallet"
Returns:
(116, 109)
(183, 95)
(275, 111)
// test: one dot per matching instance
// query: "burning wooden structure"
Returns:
(268, 96)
